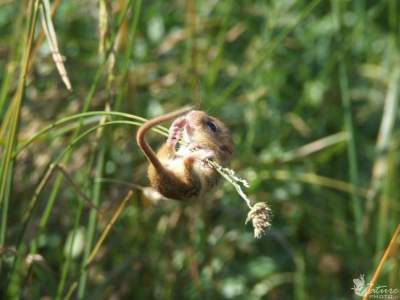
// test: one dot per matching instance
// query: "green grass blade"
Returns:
(7, 162)
(128, 53)
(351, 151)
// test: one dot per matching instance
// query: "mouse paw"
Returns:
(202, 155)
(175, 131)
(199, 157)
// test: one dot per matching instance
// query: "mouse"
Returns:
(178, 170)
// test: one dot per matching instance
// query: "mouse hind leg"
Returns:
(175, 131)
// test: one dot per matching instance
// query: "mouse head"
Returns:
(206, 132)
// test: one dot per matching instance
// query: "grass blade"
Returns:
(7, 162)
(351, 150)
(385, 133)
(108, 227)
(388, 251)
(48, 28)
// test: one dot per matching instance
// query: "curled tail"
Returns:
(147, 150)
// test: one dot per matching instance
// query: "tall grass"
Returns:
(11, 125)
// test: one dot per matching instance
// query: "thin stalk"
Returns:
(82, 281)
(215, 67)
(6, 85)
(314, 147)
(68, 259)
(57, 183)
(100, 157)
(387, 201)
(108, 227)
(57, 161)
(131, 38)
(71, 290)
(191, 50)
(91, 228)
(388, 251)
(68, 119)
(25, 222)
(7, 163)
(300, 278)
(41, 36)
(15, 56)
(393, 16)
(34, 200)
(351, 150)
(315, 179)
(385, 134)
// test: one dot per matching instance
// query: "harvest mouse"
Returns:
(179, 170)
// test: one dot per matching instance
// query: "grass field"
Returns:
(309, 90)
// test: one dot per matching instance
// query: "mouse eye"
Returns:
(212, 126)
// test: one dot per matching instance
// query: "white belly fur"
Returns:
(176, 165)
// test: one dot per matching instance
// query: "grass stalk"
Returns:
(108, 227)
(14, 57)
(87, 103)
(6, 85)
(313, 147)
(92, 224)
(351, 151)
(48, 29)
(381, 164)
(128, 54)
(191, 51)
(386, 254)
(215, 67)
(387, 200)
(79, 117)
(40, 187)
(315, 179)
(7, 162)
(68, 258)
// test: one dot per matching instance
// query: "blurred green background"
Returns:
(310, 92)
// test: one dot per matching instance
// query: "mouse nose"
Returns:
(189, 128)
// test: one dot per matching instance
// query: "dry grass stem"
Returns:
(385, 256)
(260, 213)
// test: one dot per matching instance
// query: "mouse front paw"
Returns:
(199, 156)
(203, 154)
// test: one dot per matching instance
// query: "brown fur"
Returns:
(192, 181)
(169, 184)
